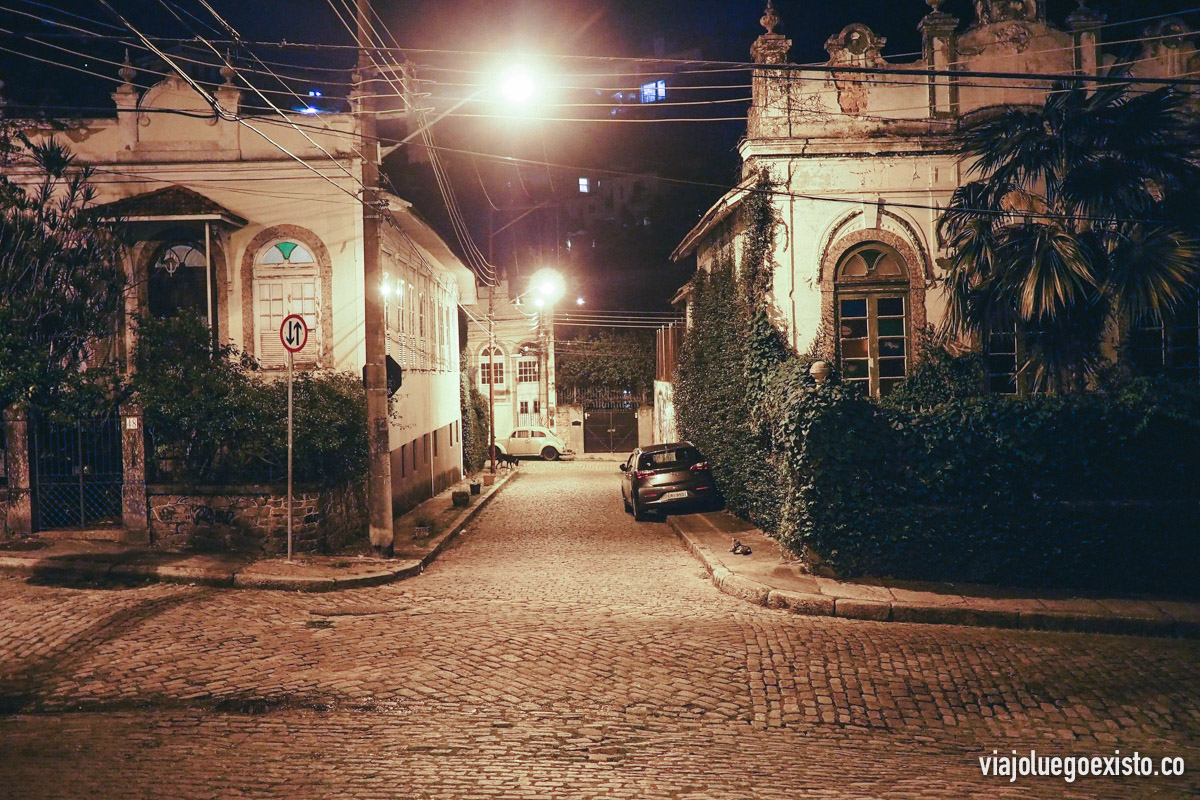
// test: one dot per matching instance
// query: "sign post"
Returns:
(294, 335)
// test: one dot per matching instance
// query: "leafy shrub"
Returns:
(605, 362)
(213, 419)
(475, 424)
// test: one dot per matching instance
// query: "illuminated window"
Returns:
(654, 91)
(585, 185)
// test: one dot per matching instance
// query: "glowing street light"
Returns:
(518, 84)
(548, 284)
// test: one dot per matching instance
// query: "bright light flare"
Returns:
(579, 301)
(548, 284)
(518, 85)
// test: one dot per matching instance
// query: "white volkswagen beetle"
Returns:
(533, 440)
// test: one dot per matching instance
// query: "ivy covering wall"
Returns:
(475, 431)
(1097, 490)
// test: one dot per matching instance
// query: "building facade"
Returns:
(246, 219)
(512, 360)
(863, 162)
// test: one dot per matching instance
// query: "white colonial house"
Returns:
(512, 359)
(248, 220)
(863, 161)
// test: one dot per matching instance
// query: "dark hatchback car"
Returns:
(664, 477)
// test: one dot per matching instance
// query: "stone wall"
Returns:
(254, 518)
(664, 412)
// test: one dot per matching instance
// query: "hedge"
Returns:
(1093, 492)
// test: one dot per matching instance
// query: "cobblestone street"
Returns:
(558, 649)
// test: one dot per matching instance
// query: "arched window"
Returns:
(873, 317)
(286, 281)
(491, 366)
(177, 282)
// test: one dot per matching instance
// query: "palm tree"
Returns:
(1076, 222)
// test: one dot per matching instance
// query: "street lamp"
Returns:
(518, 84)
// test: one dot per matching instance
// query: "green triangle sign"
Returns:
(286, 248)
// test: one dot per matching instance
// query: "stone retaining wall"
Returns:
(254, 518)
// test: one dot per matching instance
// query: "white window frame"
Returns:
(269, 351)
(529, 370)
(498, 361)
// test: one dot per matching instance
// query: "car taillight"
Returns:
(643, 473)
(700, 466)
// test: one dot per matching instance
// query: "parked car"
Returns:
(664, 477)
(533, 440)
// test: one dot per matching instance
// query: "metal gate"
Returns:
(610, 431)
(76, 471)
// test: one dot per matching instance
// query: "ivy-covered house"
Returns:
(244, 219)
(862, 161)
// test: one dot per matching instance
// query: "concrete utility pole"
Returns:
(379, 465)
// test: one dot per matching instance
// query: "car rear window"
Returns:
(675, 458)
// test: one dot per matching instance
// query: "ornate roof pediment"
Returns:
(171, 202)
(991, 11)
(856, 45)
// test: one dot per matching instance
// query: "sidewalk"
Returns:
(72, 561)
(765, 579)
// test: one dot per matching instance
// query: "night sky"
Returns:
(470, 33)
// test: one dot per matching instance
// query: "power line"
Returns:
(902, 70)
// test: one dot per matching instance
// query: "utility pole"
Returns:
(491, 354)
(492, 376)
(379, 466)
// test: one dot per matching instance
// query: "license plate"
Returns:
(674, 495)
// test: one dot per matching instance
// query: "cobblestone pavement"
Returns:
(558, 649)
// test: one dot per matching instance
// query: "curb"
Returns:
(85, 569)
(820, 605)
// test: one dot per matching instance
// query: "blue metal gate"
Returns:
(76, 471)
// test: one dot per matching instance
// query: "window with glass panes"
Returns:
(1168, 348)
(527, 370)
(873, 342)
(491, 364)
(1002, 360)
(177, 282)
(872, 315)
